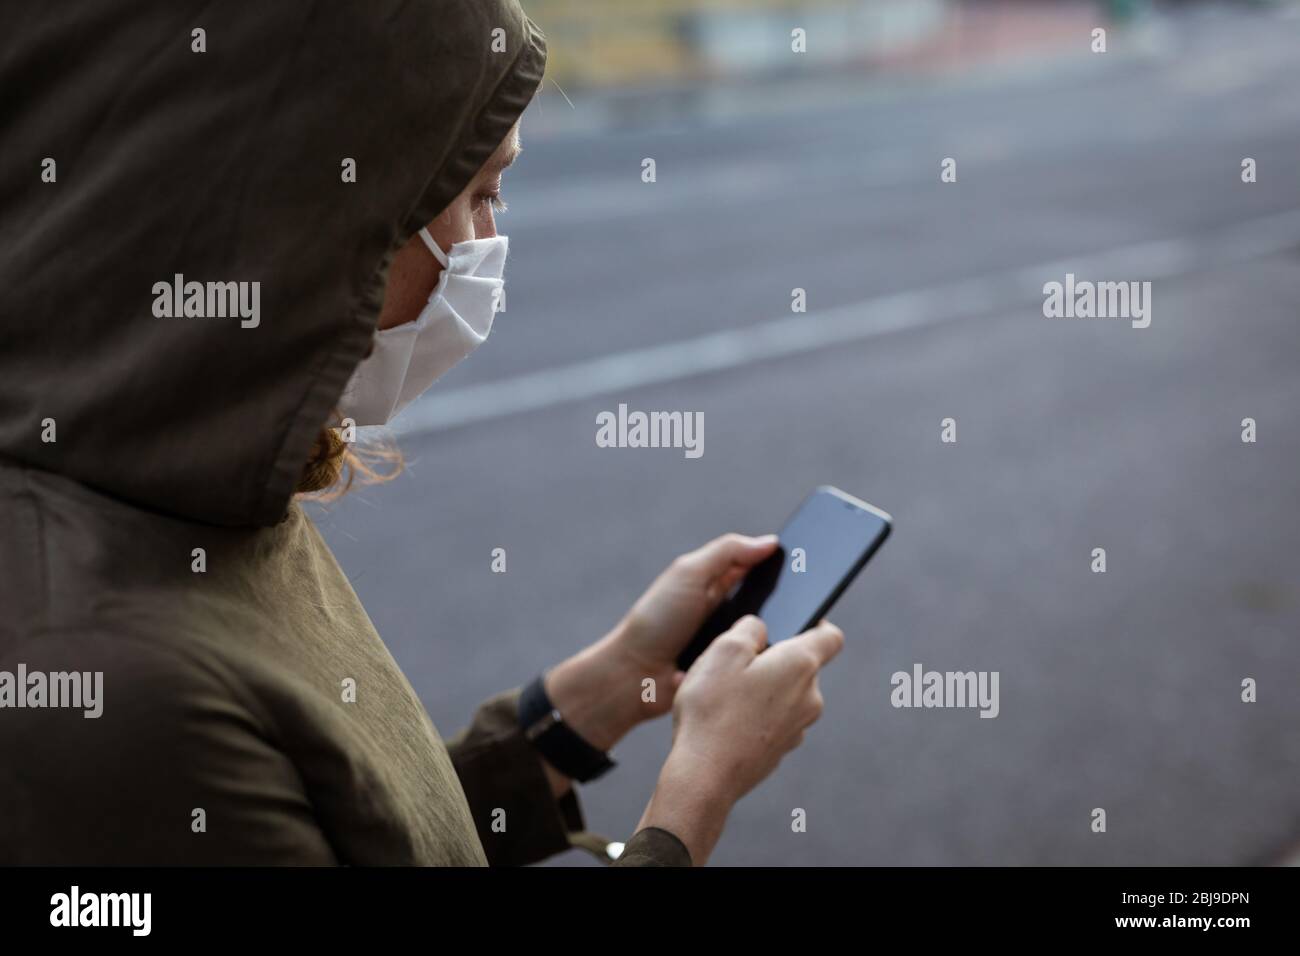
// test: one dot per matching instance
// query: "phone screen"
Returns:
(823, 546)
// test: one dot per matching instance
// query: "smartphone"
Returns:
(822, 548)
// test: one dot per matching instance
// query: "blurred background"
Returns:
(820, 170)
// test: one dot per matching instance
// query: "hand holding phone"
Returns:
(823, 546)
(737, 713)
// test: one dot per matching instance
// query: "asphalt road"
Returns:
(1118, 690)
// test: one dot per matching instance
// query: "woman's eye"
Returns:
(498, 203)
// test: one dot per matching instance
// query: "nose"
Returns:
(485, 224)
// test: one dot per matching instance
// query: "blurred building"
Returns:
(613, 43)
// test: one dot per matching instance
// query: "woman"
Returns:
(236, 230)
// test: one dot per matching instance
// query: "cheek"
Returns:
(457, 223)
(411, 275)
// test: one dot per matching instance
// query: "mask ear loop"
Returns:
(433, 247)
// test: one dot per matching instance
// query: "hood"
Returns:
(191, 281)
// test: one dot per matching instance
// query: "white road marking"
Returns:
(800, 333)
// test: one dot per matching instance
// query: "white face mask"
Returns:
(406, 359)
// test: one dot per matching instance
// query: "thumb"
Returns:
(728, 551)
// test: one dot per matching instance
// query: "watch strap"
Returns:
(564, 749)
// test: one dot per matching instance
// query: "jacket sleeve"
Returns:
(654, 846)
(500, 770)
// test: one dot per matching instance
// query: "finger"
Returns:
(720, 554)
(752, 630)
(808, 652)
(825, 640)
(722, 586)
(738, 646)
(814, 705)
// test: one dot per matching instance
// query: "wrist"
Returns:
(691, 804)
(700, 774)
(598, 690)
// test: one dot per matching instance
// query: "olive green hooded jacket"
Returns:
(148, 462)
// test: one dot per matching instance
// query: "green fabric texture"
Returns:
(250, 712)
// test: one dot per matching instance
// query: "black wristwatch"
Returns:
(545, 729)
